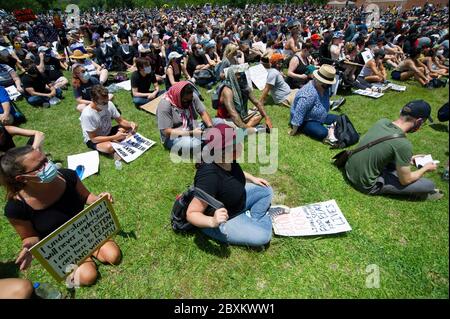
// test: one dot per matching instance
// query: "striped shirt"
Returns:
(5, 75)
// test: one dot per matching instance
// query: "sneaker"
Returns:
(277, 210)
(435, 195)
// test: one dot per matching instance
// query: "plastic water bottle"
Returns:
(118, 164)
(46, 291)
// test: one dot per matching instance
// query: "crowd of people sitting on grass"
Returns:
(309, 53)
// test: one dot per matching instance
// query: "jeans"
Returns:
(40, 100)
(389, 184)
(138, 101)
(251, 227)
(316, 129)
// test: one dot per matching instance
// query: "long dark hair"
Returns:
(10, 167)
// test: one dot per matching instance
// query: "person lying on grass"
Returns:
(41, 198)
(98, 132)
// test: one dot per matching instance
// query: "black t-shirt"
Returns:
(6, 141)
(194, 61)
(38, 83)
(127, 57)
(46, 220)
(227, 187)
(142, 83)
(84, 90)
(52, 68)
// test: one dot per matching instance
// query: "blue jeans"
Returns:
(252, 227)
(138, 101)
(316, 129)
(39, 100)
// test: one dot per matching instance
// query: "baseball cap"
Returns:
(338, 34)
(418, 109)
(174, 55)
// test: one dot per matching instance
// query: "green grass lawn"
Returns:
(407, 240)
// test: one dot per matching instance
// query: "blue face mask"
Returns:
(49, 173)
(86, 76)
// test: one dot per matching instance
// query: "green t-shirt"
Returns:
(364, 167)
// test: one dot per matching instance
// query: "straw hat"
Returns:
(326, 74)
(77, 54)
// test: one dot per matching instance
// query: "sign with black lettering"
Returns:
(76, 240)
(132, 147)
(317, 219)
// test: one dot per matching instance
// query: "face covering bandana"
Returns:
(49, 173)
(201, 52)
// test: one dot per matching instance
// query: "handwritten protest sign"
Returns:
(132, 147)
(77, 239)
(311, 220)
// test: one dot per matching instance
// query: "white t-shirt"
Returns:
(99, 122)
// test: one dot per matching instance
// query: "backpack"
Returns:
(204, 77)
(182, 201)
(215, 95)
(443, 115)
(345, 132)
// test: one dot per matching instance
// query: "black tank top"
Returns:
(300, 69)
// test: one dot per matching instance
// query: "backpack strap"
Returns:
(375, 142)
(204, 196)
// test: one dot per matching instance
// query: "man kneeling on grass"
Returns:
(384, 168)
(96, 119)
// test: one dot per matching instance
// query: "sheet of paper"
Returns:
(258, 75)
(369, 93)
(422, 161)
(12, 92)
(367, 55)
(132, 147)
(322, 218)
(126, 85)
(90, 161)
(396, 87)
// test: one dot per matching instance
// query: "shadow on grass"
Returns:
(439, 127)
(404, 198)
(211, 246)
(127, 234)
(9, 270)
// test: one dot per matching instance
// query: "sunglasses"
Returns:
(39, 168)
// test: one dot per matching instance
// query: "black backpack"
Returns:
(345, 132)
(179, 209)
(443, 113)
(215, 95)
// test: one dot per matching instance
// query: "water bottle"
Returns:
(118, 164)
(46, 291)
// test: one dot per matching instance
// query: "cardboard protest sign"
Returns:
(24, 15)
(132, 147)
(311, 220)
(152, 105)
(77, 239)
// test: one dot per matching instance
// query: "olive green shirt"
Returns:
(363, 168)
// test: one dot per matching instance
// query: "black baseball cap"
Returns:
(418, 109)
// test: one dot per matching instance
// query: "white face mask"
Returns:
(102, 107)
(440, 52)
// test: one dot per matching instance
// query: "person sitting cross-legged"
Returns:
(98, 132)
(141, 82)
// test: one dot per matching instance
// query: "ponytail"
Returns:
(10, 167)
